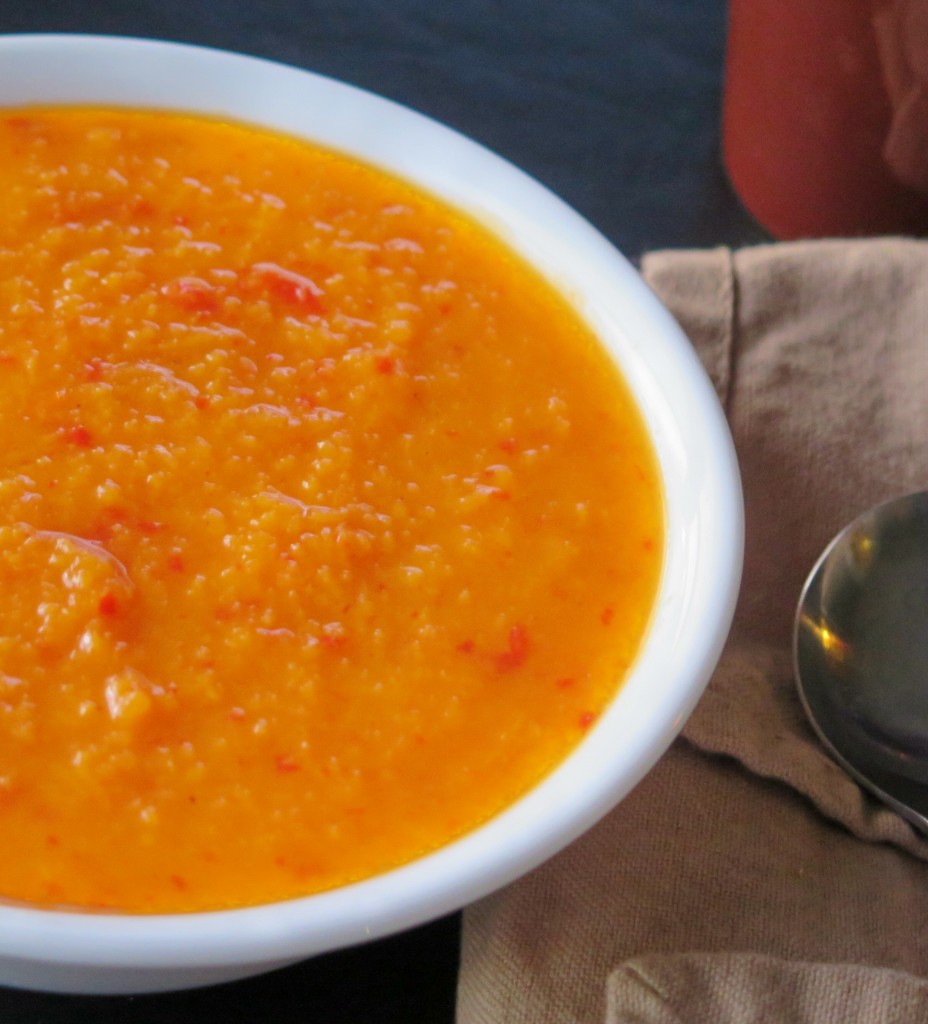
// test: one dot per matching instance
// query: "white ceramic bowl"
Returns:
(92, 952)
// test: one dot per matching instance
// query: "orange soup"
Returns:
(327, 528)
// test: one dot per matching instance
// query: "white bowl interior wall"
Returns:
(81, 952)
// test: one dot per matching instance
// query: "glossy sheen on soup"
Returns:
(327, 528)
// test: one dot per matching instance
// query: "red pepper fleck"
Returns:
(143, 207)
(587, 719)
(508, 444)
(181, 221)
(93, 369)
(606, 616)
(296, 289)
(179, 883)
(236, 714)
(306, 400)
(150, 526)
(333, 636)
(52, 840)
(386, 365)
(108, 605)
(466, 646)
(286, 764)
(517, 651)
(80, 436)
(193, 294)
(201, 402)
(176, 562)
(101, 533)
(445, 308)
(648, 543)
(566, 683)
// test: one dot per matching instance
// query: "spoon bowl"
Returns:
(860, 648)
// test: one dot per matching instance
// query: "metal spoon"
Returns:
(860, 649)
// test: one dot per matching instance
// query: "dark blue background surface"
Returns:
(613, 104)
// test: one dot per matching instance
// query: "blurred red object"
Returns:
(825, 119)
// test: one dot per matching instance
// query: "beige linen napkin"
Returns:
(747, 878)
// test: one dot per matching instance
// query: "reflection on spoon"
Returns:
(860, 649)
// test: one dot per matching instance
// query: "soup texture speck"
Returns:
(327, 528)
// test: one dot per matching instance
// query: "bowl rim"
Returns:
(698, 463)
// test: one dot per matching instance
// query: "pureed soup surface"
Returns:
(326, 528)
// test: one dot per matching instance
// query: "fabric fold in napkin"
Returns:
(741, 988)
(746, 862)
